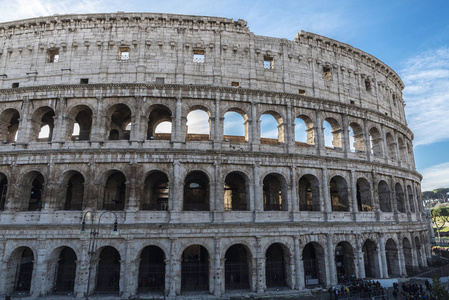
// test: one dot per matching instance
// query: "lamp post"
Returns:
(93, 238)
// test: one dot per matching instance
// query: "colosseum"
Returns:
(107, 185)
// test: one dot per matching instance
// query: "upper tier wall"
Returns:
(161, 48)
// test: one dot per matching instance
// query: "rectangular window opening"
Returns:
(268, 62)
(302, 92)
(53, 55)
(367, 85)
(198, 56)
(235, 84)
(84, 81)
(352, 102)
(15, 85)
(123, 53)
(327, 74)
(160, 80)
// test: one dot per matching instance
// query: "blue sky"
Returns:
(410, 36)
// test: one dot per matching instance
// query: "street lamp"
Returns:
(93, 238)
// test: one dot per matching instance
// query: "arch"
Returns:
(309, 193)
(271, 128)
(304, 131)
(314, 264)
(3, 190)
(276, 265)
(114, 195)
(376, 142)
(119, 121)
(159, 114)
(19, 270)
(42, 124)
(339, 194)
(79, 124)
(344, 261)
(332, 133)
(371, 263)
(198, 126)
(237, 267)
(411, 199)
(356, 138)
(156, 192)
(108, 272)
(391, 252)
(196, 192)
(364, 202)
(151, 270)
(35, 191)
(65, 271)
(9, 125)
(400, 201)
(195, 269)
(274, 192)
(74, 191)
(236, 189)
(402, 150)
(391, 144)
(419, 256)
(235, 126)
(408, 256)
(383, 192)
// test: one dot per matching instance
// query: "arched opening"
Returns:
(402, 151)
(314, 264)
(391, 252)
(418, 252)
(304, 131)
(271, 128)
(309, 193)
(196, 192)
(74, 192)
(384, 196)
(369, 250)
(274, 193)
(80, 123)
(235, 127)
(411, 199)
(344, 261)
(391, 146)
(400, 202)
(151, 270)
(114, 191)
(356, 139)
(332, 133)
(276, 266)
(35, 196)
(235, 191)
(363, 195)
(408, 258)
(375, 141)
(108, 274)
(22, 264)
(339, 194)
(237, 268)
(156, 192)
(195, 269)
(198, 125)
(43, 124)
(65, 271)
(159, 123)
(3, 190)
(9, 125)
(119, 116)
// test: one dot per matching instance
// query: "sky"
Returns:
(410, 36)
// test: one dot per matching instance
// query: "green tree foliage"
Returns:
(441, 193)
(440, 216)
(439, 291)
(428, 195)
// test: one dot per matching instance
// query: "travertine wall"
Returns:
(312, 78)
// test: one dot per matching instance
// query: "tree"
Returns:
(428, 195)
(439, 291)
(441, 193)
(439, 218)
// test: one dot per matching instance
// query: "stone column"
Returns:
(293, 207)
(331, 260)
(359, 256)
(319, 132)
(217, 138)
(98, 133)
(354, 206)
(23, 136)
(175, 200)
(257, 201)
(38, 286)
(367, 140)
(129, 272)
(383, 256)
(255, 128)
(174, 273)
(260, 265)
(345, 138)
(299, 285)
(289, 125)
(136, 123)
(60, 124)
(218, 273)
(178, 132)
(325, 192)
(402, 269)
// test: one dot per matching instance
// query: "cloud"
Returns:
(426, 79)
(435, 177)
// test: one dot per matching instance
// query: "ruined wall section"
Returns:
(162, 46)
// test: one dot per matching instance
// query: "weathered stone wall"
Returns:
(361, 92)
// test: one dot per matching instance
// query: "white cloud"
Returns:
(198, 122)
(435, 177)
(426, 78)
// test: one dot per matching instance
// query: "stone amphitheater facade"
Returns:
(81, 99)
